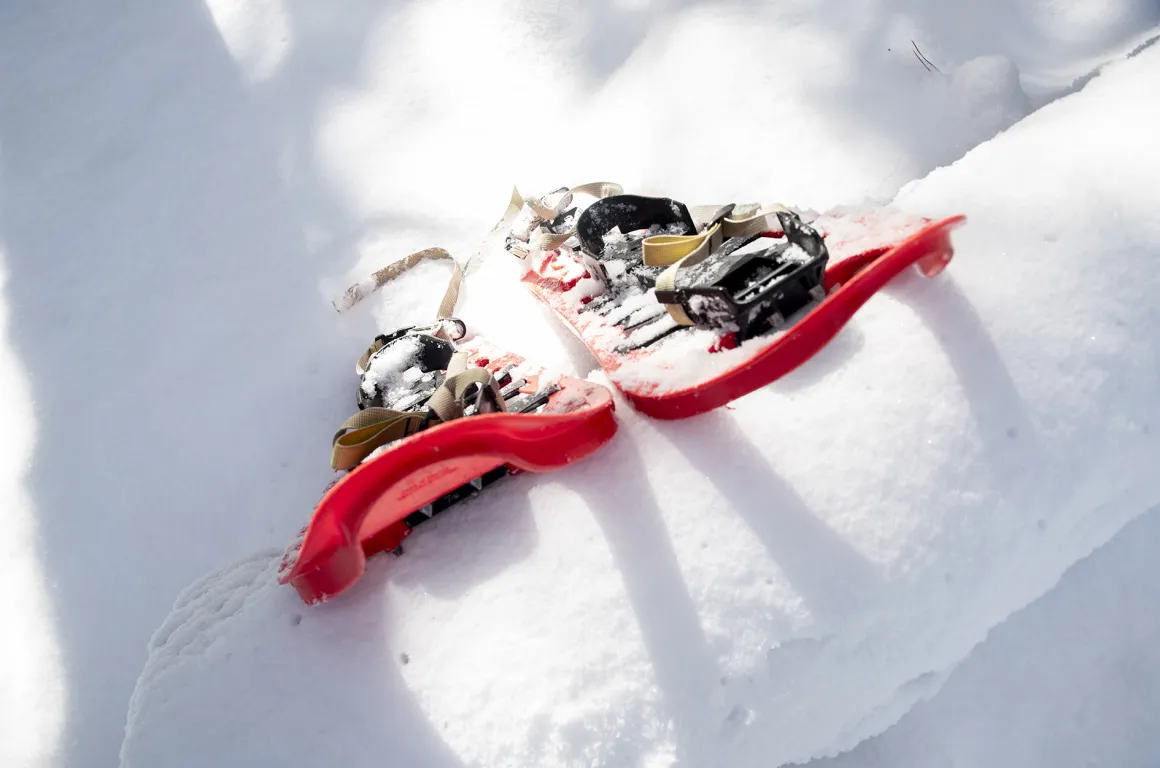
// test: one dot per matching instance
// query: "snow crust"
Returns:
(764, 584)
(184, 187)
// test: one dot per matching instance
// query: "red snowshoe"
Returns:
(689, 308)
(438, 422)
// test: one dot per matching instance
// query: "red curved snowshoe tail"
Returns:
(365, 512)
(849, 284)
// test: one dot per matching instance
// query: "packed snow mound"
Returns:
(766, 583)
(1071, 680)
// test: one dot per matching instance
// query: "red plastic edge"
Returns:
(364, 512)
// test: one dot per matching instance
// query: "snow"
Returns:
(32, 697)
(740, 606)
(392, 370)
(1087, 650)
(183, 189)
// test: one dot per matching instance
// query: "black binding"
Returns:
(748, 292)
(629, 213)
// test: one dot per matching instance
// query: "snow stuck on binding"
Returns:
(794, 252)
(388, 369)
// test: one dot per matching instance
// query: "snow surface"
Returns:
(779, 600)
(1072, 680)
(185, 186)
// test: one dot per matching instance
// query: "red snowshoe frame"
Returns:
(376, 506)
(849, 283)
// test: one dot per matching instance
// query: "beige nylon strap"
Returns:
(706, 215)
(501, 228)
(544, 240)
(372, 428)
(457, 364)
(680, 251)
(598, 189)
(367, 430)
(764, 220)
(361, 366)
(448, 401)
(744, 220)
(364, 288)
(677, 251)
(361, 290)
(667, 281)
(545, 211)
(664, 250)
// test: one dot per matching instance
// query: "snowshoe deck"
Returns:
(671, 370)
(550, 422)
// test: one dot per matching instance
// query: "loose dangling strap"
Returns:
(364, 288)
(450, 399)
(367, 430)
(371, 428)
(541, 238)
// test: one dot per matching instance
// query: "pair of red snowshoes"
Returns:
(686, 309)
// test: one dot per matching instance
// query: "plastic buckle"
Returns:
(747, 293)
(528, 221)
(449, 328)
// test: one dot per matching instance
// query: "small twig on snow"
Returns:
(923, 60)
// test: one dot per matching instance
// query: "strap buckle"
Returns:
(748, 292)
(549, 222)
(532, 216)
